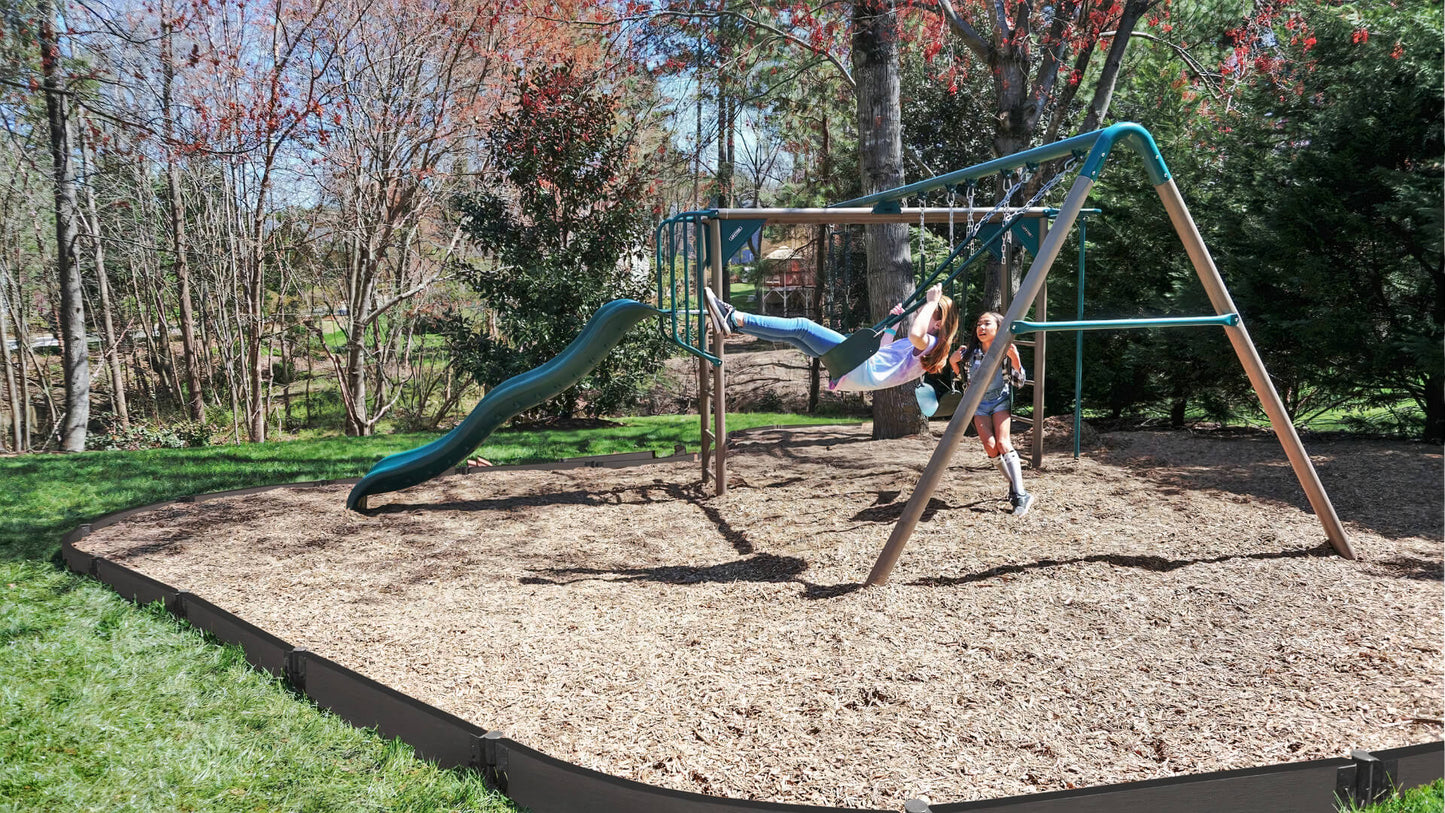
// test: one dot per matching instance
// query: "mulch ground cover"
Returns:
(1170, 606)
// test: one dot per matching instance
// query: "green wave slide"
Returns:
(518, 393)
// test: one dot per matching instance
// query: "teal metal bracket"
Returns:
(1136, 138)
(736, 234)
(1223, 320)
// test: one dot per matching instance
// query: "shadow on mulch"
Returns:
(1157, 564)
(764, 567)
(1394, 491)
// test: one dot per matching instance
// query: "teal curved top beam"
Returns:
(1095, 147)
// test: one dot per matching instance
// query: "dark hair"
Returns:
(972, 344)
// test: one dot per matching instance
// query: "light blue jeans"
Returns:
(1001, 401)
(804, 334)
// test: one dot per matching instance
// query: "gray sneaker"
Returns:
(719, 313)
(1022, 503)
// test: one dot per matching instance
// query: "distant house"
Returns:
(789, 278)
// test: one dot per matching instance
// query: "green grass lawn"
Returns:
(1427, 799)
(743, 295)
(106, 706)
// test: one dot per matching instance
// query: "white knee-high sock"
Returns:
(1013, 470)
(998, 464)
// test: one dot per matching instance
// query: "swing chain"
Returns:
(971, 188)
(975, 228)
(922, 254)
(952, 195)
(1007, 224)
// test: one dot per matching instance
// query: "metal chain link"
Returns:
(1008, 222)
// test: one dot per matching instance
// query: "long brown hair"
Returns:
(934, 359)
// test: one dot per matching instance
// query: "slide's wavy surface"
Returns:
(518, 393)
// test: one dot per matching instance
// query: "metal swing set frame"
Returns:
(726, 230)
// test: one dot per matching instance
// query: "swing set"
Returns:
(693, 249)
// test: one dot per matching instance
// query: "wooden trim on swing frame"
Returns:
(1028, 290)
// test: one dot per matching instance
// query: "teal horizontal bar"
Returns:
(1024, 326)
(1048, 152)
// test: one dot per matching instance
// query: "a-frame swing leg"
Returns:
(1238, 337)
(1254, 367)
(973, 394)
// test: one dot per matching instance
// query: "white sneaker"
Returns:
(720, 313)
(1022, 503)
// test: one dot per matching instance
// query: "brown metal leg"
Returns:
(1254, 368)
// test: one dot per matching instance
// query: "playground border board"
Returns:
(543, 783)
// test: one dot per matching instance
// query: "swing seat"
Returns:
(926, 397)
(853, 351)
(938, 395)
(948, 404)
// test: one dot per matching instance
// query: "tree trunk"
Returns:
(1109, 76)
(1434, 409)
(254, 327)
(110, 348)
(75, 360)
(726, 110)
(1177, 410)
(815, 310)
(880, 136)
(255, 324)
(22, 343)
(359, 297)
(195, 400)
(12, 393)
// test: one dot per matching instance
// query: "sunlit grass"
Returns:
(104, 706)
(1427, 799)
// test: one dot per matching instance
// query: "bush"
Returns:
(186, 434)
(562, 234)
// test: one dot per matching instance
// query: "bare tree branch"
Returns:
(787, 36)
(1209, 78)
(975, 41)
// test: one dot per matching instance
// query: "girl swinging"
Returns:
(929, 340)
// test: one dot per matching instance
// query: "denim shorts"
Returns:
(1003, 402)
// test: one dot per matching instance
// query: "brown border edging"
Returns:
(1298, 787)
(263, 650)
(443, 738)
(543, 783)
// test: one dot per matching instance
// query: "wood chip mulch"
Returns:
(1170, 606)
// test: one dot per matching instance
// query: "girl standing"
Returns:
(991, 419)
